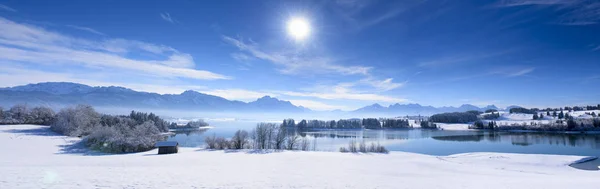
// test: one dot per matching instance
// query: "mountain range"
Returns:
(63, 93)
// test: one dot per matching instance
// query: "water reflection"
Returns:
(433, 142)
(527, 139)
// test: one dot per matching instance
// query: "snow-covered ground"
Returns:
(34, 157)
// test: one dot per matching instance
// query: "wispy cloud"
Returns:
(520, 72)
(7, 8)
(512, 3)
(458, 59)
(571, 12)
(503, 71)
(86, 29)
(353, 12)
(241, 57)
(34, 45)
(296, 63)
(167, 17)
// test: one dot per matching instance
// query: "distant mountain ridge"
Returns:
(65, 93)
(414, 109)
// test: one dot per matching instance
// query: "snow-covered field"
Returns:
(34, 157)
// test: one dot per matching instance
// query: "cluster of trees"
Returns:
(523, 110)
(481, 125)
(538, 117)
(491, 115)
(454, 117)
(428, 125)
(366, 123)
(574, 108)
(363, 148)
(22, 114)
(190, 125)
(490, 110)
(395, 123)
(560, 125)
(135, 132)
(264, 136)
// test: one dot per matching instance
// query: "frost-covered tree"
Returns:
(19, 112)
(77, 121)
(196, 124)
(41, 116)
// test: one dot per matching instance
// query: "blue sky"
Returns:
(442, 53)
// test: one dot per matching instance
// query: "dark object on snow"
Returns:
(167, 147)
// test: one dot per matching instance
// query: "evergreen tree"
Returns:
(561, 115)
(535, 117)
(541, 116)
(554, 114)
(548, 113)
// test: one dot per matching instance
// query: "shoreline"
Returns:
(39, 158)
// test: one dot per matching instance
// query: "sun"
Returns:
(298, 28)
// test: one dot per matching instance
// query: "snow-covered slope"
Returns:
(33, 157)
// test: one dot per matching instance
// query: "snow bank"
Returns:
(34, 157)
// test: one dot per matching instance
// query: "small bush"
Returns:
(211, 142)
(363, 148)
(222, 143)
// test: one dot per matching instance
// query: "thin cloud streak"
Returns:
(573, 12)
(167, 17)
(7, 8)
(87, 29)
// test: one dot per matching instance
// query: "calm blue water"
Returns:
(432, 142)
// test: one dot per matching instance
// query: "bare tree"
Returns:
(292, 141)
(211, 142)
(304, 144)
(239, 140)
(280, 136)
(352, 146)
(362, 147)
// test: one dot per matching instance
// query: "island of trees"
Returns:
(135, 132)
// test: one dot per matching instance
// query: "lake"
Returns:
(432, 142)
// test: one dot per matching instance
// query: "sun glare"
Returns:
(298, 28)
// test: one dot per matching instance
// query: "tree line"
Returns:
(271, 136)
(366, 123)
